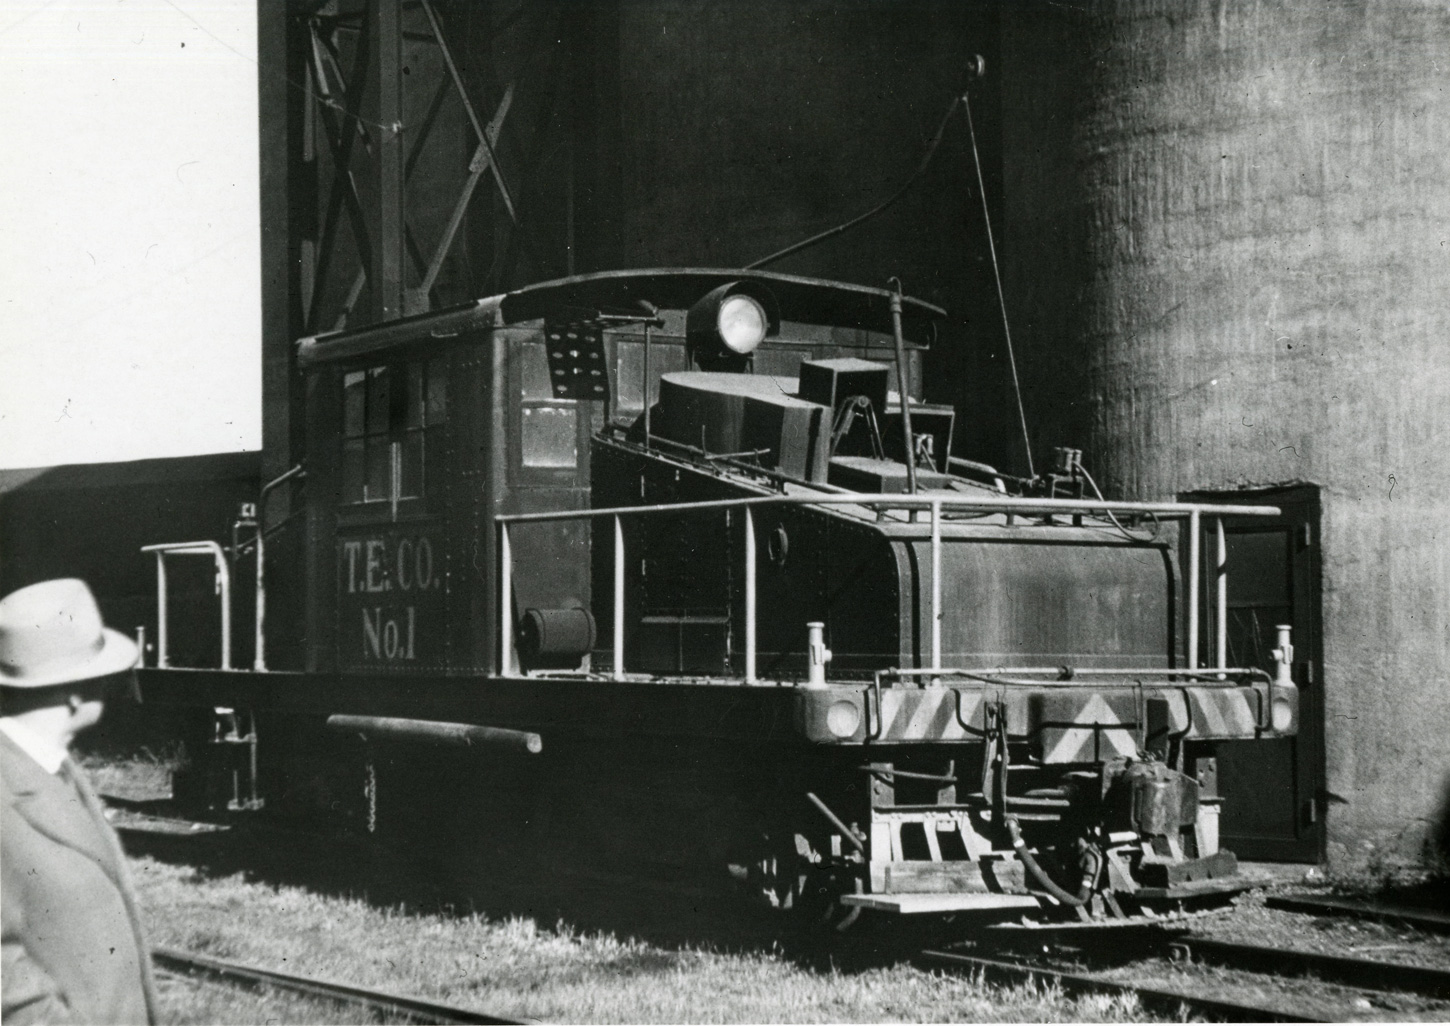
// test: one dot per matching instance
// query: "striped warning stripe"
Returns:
(1217, 712)
(927, 715)
(1068, 720)
(1090, 742)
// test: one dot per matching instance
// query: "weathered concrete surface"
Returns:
(1248, 257)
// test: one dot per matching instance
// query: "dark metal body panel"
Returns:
(1020, 594)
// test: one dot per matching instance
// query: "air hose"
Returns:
(1085, 890)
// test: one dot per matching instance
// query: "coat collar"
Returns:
(50, 754)
(55, 808)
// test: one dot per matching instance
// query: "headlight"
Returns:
(742, 324)
(729, 323)
(1284, 711)
(842, 718)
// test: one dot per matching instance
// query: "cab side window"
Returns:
(548, 427)
(391, 416)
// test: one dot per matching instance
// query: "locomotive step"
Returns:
(936, 904)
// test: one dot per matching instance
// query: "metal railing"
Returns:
(934, 506)
(259, 660)
(223, 589)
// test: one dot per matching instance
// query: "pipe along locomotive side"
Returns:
(631, 574)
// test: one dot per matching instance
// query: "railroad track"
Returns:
(1360, 974)
(1171, 1003)
(1421, 918)
(1367, 973)
(395, 1005)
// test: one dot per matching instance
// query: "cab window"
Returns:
(548, 427)
(391, 415)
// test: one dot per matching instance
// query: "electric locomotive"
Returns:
(670, 575)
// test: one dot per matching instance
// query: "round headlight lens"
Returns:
(742, 324)
(842, 719)
(1282, 712)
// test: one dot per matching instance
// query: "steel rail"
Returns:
(1171, 1002)
(1424, 918)
(417, 1009)
(1357, 972)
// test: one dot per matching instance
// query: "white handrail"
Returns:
(618, 599)
(936, 504)
(936, 610)
(508, 658)
(749, 596)
(1221, 577)
(259, 658)
(1163, 510)
(1194, 527)
(224, 589)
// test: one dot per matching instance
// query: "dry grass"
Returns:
(263, 899)
(513, 967)
(143, 775)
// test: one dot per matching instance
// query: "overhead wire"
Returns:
(1001, 298)
(931, 149)
(964, 102)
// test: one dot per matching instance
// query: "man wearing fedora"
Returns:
(73, 947)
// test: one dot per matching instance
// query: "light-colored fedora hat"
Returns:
(51, 633)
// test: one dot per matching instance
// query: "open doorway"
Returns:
(1273, 789)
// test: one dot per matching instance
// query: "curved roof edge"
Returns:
(808, 300)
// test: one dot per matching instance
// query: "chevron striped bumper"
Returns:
(1065, 723)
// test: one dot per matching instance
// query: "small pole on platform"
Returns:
(1222, 578)
(161, 657)
(618, 598)
(749, 596)
(936, 584)
(1195, 529)
(508, 661)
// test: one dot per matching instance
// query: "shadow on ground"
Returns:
(429, 878)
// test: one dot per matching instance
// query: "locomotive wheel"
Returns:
(822, 884)
(773, 870)
(784, 872)
(821, 902)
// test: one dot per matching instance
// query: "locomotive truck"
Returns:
(671, 575)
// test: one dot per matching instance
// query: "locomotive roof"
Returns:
(807, 300)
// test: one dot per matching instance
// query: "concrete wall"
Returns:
(1243, 212)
